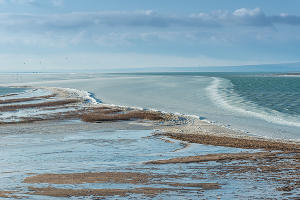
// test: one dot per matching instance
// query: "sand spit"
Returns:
(203, 186)
(100, 177)
(8, 194)
(56, 192)
(18, 100)
(216, 157)
(237, 142)
(67, 104)
(142, 179)
(117, 177)
(194, 130)
(277, 162)
(38, 105)
(9, 95)
(115, 116)
(188, 129)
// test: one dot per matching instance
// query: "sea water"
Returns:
(259, 104)
(265, 105)
(58, 147)
(10, 90)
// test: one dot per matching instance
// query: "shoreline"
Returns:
(170, 124)
(270, 159)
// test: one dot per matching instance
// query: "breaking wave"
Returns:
(222, 93)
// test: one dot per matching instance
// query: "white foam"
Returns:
(31, 92)
(75, 93)
(247, 109)
(15, 116)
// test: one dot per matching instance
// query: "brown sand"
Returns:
(100, 177)
(216, 157)
(9, 95)
(99, 117)
(114, 177)
(8, 194)
(38, 105)
(193, 134)
(204, 186)
(26, 99)
(56, 192)
(53, 116)
(229, 141)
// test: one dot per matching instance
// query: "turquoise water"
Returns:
(277, 93)
(10, 90)
(268, 90)
(261, 104)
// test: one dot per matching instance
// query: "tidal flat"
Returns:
(110, 152)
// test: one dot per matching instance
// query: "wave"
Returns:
(220, 91)
(40, 103)
(87, 97)
(90, 97)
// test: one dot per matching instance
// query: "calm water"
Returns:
(281, 94)
(9, 90)
(72, 147)
(259, 104)
(266, 105)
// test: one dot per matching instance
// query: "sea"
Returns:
(259, 104)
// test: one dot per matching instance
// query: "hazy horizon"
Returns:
(281, 68)
(95, 35)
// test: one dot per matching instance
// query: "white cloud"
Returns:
(23, 1)
(247, 12)
(57, 3)
(240, 17)
(143, 32)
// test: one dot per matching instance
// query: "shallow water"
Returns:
(69, 147)
(228, 99)
(10, 90)
(100, 150)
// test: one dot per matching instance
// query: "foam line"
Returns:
(269, 115)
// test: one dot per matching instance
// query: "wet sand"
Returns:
(57, 192)
(216, 157)
(100, 177)
(8, 194)
(237, 142)
(113, 177)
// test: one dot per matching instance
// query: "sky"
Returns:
(79, 35)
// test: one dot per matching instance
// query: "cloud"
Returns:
(39, 3)
(286, 19)
(23, 1)
(147, 18)
(131, 29)
(57, 3)
(252, 17)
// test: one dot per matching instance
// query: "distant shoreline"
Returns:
(294, 74)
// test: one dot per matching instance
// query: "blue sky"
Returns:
(55, 35)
